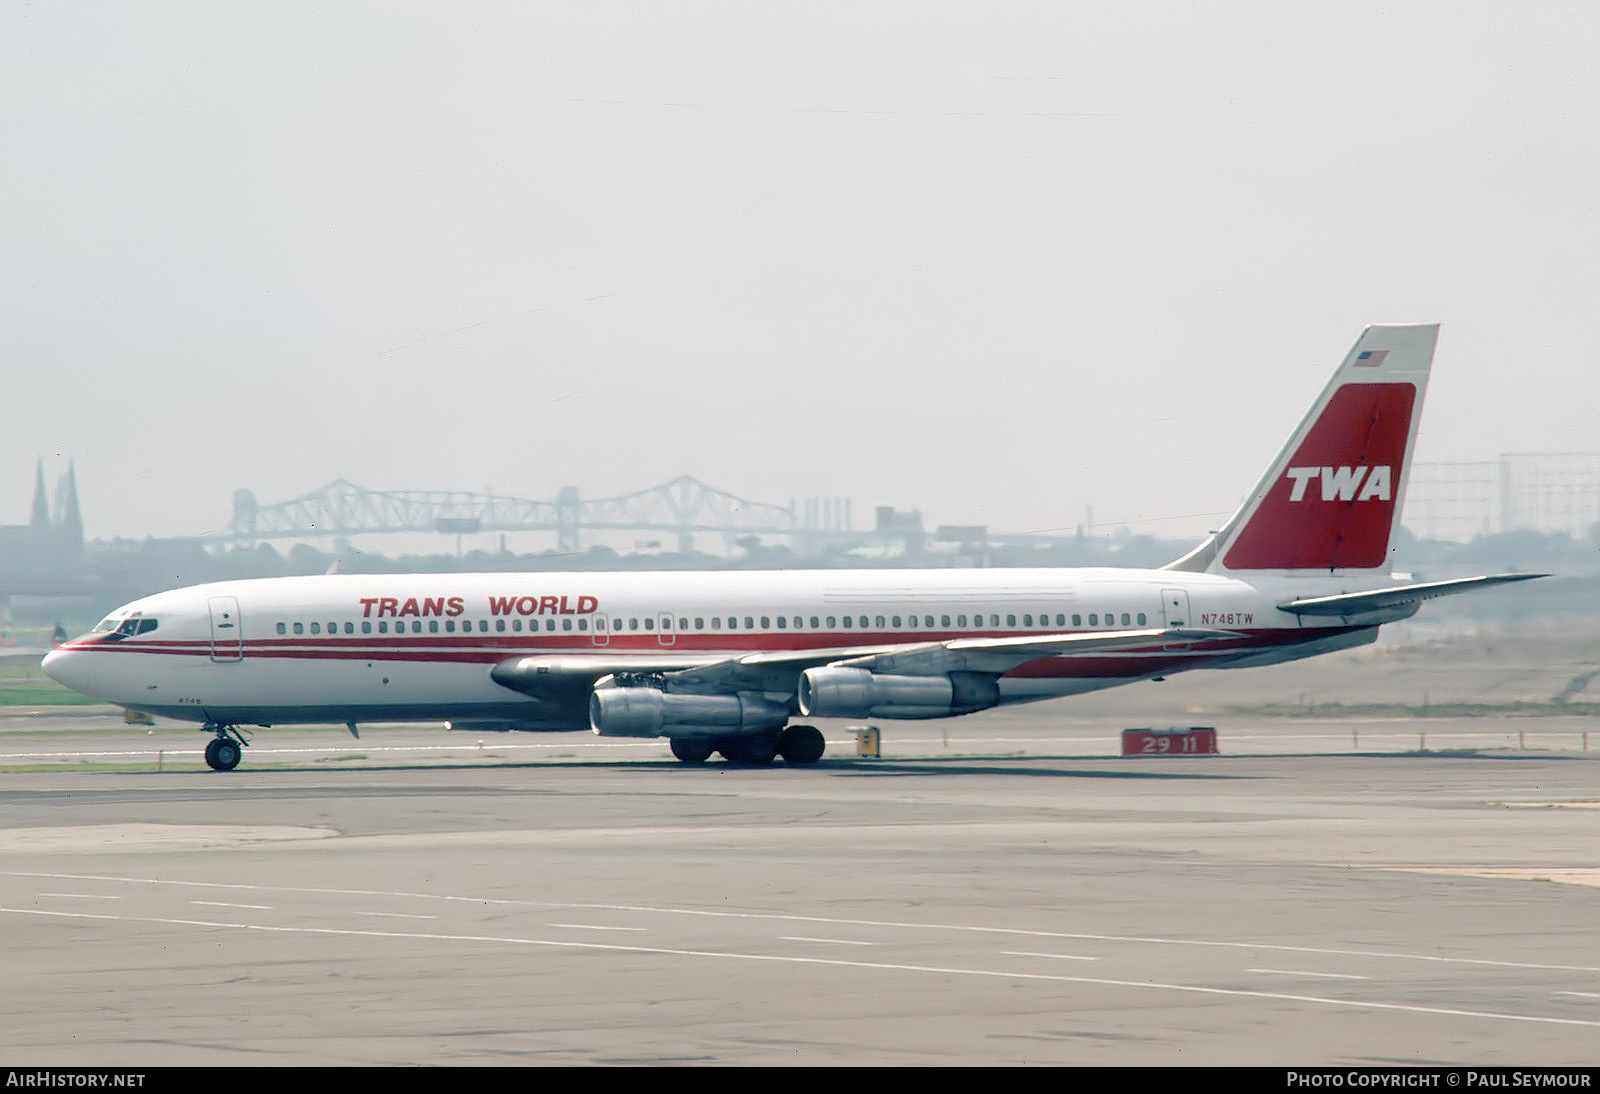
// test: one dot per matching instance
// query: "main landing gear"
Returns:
(796, 744)
(226, 749)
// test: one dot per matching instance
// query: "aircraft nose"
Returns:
(69, 668)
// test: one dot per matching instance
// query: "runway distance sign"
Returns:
(1190, 741)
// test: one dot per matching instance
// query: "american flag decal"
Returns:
(1371, 358)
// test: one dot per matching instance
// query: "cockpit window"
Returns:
(119, 629)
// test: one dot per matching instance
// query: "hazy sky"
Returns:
(998, 261)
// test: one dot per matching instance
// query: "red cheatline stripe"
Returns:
(476, 651)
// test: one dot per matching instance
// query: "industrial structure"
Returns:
(683, 508)
(1547, 492)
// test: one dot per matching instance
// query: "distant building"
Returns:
(51, 542)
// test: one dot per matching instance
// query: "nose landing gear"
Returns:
(226, 749)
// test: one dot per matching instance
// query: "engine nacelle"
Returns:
(838, 692)
(649, 712)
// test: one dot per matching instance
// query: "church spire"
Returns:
(41, 500)
(67, 511)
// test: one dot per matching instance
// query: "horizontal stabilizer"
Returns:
(1379, 599)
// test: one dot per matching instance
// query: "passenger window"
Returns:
(516, 625)
(847, 622)
(383, 626)
(566, 624)
(766, 623)
(283, 628)
(1077, 620)
(716, 622)
(1125, 619)
(1141, 619)
(699, 623)
(500, 624)
(783, 623)
(299, 628)
(878, 623)
(863, 622)
(831, 623)
(733, 622)
(450, 625)
(349, 628)
(1094, 620)
(583, 623)
(683, 624)
(894, 622)
(316, 628)
(366, 626)
(749, 623)
(1011, 621)
(433, 626)
(814, 623)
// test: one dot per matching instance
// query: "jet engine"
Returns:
(838, 692)
(649, 712)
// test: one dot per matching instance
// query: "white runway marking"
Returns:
(83, 896)
(1148, 985)
(1301, 972)
(596, 927)
(1054, 956)
(398, 915)
(792, 918)
(225, 904)
(826, 941)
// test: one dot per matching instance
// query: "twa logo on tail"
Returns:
(1341, 483)
(1357, 440)
(1330, 499)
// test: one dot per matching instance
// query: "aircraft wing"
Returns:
(999, 655)
(776, 670)
(559, 675)
(1381, 599)
(551, 675)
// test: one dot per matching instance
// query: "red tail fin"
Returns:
(1331, 498)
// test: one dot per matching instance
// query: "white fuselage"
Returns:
(354, 648)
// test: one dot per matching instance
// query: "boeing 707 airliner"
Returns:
(724, 663)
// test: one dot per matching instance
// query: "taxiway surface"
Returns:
(1384, 867)
(1040, 909)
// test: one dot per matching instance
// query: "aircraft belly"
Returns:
(278, 692)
